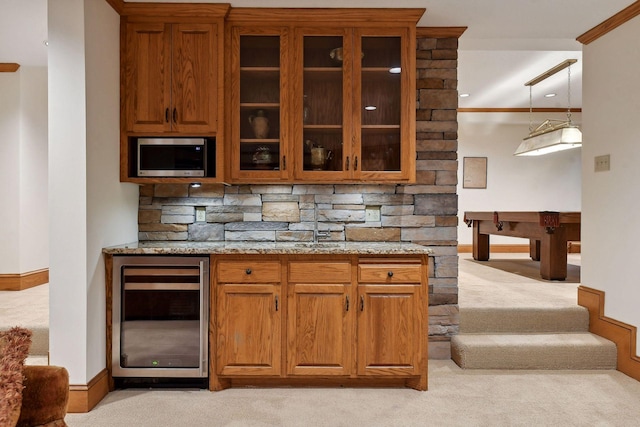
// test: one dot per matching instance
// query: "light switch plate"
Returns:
(601, 163)
(372, 213)
(201, 214)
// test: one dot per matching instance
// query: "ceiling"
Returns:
(505, 45)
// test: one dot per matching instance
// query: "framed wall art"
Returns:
(474, 172)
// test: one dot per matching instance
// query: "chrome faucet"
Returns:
(317, 234)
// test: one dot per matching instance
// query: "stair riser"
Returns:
(523, 321)
(553, 351)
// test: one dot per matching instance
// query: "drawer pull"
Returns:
(390, 273)
(346, 304)
(276, 302)
(361, 302)
(248, 271)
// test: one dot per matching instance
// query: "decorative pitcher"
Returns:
(319, 157)
(260, 124)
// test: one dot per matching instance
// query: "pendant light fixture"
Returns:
(551, 135)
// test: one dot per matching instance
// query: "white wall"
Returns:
(611, 114)
(530, 183)
(23, 171)
(9, 171)
(89, 208)
(34, 206)
(112, 207)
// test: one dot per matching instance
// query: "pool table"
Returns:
(548, 233)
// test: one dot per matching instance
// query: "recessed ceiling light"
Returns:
(370, 108)
(395, 70)
(550, 95)
(465, 95)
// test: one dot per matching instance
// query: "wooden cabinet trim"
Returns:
(337, 17)
(175, 10)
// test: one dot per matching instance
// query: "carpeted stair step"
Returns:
(523, 319)
(533, 351)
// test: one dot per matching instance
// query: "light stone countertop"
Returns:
(279, 248)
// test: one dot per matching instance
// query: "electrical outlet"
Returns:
(372, 213)
(601, 163)
(201, 214)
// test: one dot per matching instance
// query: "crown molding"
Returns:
(9, 67)
(117, 5)
(439, 32)
(610, 24)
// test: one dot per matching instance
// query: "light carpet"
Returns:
(455, 397)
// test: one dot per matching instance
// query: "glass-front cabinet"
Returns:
(322, 126)
(322, 103)
(259, 104)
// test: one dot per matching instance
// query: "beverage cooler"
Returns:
(160, 318)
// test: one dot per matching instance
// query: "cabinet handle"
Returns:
(390, 274)
(347, 162)
(248, 271)
(276, 302)
(284, 163)
(355, 163)
(166, 115)
(361, 302)
(175, 115)
(347, 303)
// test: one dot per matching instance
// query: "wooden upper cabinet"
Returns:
(170, 74)
(147, 73)
(336, 90)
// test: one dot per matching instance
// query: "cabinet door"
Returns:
(248, 329)
(319, 329)
(147, 77)
(194, 75)
(389, 329)
(259, 110)
(322, 104)
(384, 110)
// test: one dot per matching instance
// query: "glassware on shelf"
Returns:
(306, 110)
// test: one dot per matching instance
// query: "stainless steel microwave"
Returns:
(174, 157)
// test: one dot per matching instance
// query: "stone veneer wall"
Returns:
(423, 213)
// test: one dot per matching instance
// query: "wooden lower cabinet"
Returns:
(330, 320)
(248, 319)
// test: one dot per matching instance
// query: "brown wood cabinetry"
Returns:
(170, 75)
(248, 318)
(391, 316)
(322, 95)
(319, 318)
(302, 320)
(171, 81)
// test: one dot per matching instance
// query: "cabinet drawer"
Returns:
(389, 273)
(320, 272)
(248, 271)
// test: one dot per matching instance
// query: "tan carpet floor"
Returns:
(456, 397)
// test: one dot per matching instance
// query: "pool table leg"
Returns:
(480, 243)
(553, 255)
(534, 249)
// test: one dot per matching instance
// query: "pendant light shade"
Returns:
(552, 138)
(551, 135)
